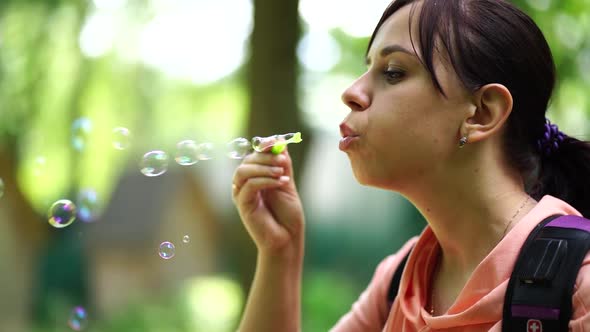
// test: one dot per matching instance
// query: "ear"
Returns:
(493, 106)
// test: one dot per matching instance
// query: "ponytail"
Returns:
(564, 172)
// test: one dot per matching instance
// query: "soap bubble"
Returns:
(78, 319)
(238, 148)
(154, 163)
(62, 213)
(81, 129)
(205, 151)
(87, 202)
(166, 250)
(186, 239)
(187, 153)
(121, 138)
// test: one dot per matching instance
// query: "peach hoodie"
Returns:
(478, 306)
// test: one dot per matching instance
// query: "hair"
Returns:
(492, 41)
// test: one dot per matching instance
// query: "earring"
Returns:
(462, 141)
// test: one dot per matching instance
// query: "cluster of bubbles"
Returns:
(64, 212)
(167, 249)
(82, 129)
(189, 152)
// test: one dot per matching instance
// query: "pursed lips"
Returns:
(349, 136)
(346, 131)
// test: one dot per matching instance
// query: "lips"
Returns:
(349, 136)
(346, 131)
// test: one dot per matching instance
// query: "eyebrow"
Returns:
(387, 50)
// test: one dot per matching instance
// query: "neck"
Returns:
(470, 213)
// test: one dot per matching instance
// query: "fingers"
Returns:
(261, 164)
(260, 171)
(248, 192)
(246, 172)
(267, 158)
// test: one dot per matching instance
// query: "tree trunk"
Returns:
(23, 233)
(272, 86)
(272, 73)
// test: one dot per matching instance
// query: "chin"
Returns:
(359, 176)
(372, 180)
(365, 178)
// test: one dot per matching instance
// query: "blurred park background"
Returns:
(210, 71)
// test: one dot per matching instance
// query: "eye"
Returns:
(393, 75)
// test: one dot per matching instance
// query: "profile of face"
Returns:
(400, 128)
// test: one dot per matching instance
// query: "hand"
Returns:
(268, 203)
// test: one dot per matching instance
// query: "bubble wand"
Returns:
(276, 143)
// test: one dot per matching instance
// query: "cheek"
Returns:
(408, 151)
(408, 135)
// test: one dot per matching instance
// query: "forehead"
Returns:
(395, 31)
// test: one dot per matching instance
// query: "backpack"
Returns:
(539, 293)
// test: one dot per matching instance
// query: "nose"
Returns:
(356, 96)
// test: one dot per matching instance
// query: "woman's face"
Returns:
(405, 129)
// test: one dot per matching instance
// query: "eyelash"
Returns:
(393, 75)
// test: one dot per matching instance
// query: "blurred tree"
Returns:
(26, 81)
(273, 73)
(272, 79)
(46, 82)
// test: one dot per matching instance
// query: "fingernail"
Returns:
(277, 170)
(284, 179)
(281, 157)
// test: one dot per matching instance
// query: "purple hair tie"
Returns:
(551, 139)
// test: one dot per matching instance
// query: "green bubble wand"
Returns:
(277, 143)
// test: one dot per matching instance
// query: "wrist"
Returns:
(291, 255)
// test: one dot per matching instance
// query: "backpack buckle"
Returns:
(543, 261)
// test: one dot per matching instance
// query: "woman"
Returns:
(451, 114)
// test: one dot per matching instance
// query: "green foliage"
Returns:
(327, 295)
(209, 304)
(46, 82)
(353, 54)
(566, 25)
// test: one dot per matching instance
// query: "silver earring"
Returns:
(462, 141)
